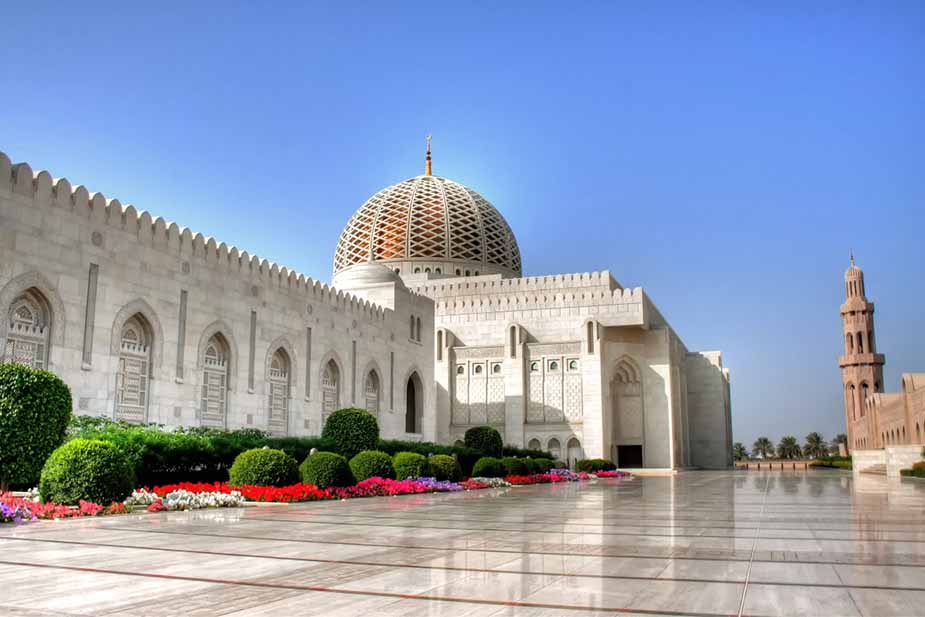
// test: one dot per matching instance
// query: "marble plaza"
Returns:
(695, 543)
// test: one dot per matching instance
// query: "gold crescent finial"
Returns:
(427, 165)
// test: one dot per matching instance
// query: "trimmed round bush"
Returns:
(489, 467)
(35, 407)
(484, 439)
(596, 464)
(264, 467)
(324, 469)
(351, 431)
(89, 470)
(557, 464)
(445, 467)
(372, 464)
(410, 465)
(515, 466)
(542, 465)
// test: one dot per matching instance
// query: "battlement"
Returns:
(497, 285)
(166, 236)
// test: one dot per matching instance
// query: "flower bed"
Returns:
(23, 509)
(199, 495)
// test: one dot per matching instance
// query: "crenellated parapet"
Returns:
(166, 236)
(564, 291)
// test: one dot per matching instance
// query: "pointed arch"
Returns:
(280, 370)
(282, 342)
(414, 402)
(372, 387)
(134, 359)
(32, 343)
(156, 341)
(331, 380)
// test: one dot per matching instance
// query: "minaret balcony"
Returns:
(857, 359)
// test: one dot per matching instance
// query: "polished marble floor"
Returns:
(696, 544)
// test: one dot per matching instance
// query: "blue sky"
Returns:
(725, 157)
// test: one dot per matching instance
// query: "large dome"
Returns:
(429, 224)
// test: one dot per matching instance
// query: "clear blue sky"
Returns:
(725, 156)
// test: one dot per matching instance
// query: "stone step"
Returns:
(877, 470)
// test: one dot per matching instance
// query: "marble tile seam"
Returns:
(584, 533)
(381, 594)
(859, 562)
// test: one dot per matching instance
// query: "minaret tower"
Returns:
(861, 366)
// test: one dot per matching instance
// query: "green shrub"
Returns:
(409, 465)
(596, 464)
(543, 465)
(372, 464)
(918, 466)
(35, 407)
(484, 439)
(264, 467)
(466, 457)
(489, 467)
(515, 466)
(324, 469)
(524, 452)
(351, 431)
(443, 467)
(557, 464)
(86, 469)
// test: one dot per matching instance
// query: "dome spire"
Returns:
(427, 167)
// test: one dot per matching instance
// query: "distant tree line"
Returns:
(815, 446)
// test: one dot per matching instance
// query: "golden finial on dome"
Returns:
(427, 167)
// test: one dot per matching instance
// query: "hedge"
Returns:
(525, 452)
(591, 465)
(515, 466)
(489, 467)
(351, 431)
(410, 465)
(443, 467)
(372, 464)
(264, 467)
(484, 439)
(324, 469)
(35, 407)
(89, 470)
(466, 457)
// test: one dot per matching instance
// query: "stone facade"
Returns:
(874, 419)
(147, 321)
(428, 324)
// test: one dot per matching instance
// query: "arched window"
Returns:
(417, 270)
(870, 341)
(414, 404)
(590, 337)
(215, 364)
(553, 366)
(852, 411)
(849, 343)
(534, 444)
(427, 270)
(439, 345)
(554, 448)
(534, 367)
(860, 342)
(29, 329)
(468, 273)
(278, 381)
(134, 369)
(371, 388)
(458, 272)
(411, 328)
(865, 392)
(574, 452)
(330, 389)
(461, 370)
(438, 271)
(496, 369)
(477, 369)
(419, 329)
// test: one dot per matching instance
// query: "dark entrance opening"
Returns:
(629, 456)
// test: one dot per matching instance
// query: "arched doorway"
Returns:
(414, 404)
(574, 453)
(29, 330)
(555, 448)
(134, 369)
(279, 385)
(215, 362)
(330, 390)
(372, 393)
(534, 444)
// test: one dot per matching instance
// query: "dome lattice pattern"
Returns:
(428, 218)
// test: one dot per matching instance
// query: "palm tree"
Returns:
(738, 451)
(788, 447)
(815, 446)
(763, 447)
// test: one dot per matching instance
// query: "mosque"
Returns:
(429, 324)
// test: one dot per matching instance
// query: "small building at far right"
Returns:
(886, 431)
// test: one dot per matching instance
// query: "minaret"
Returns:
(861, 365)
(427, 167)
